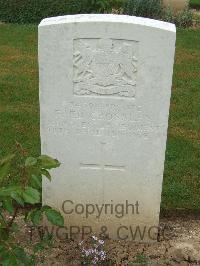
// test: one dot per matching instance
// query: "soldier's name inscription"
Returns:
(105, 67)
(102, 119)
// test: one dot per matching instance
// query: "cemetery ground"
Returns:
(19, 121)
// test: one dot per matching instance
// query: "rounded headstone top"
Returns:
(81, 18)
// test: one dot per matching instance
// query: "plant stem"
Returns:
(12, 220)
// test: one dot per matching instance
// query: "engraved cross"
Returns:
(102, 165)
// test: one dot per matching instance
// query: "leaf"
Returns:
(47, 240)
(31, 195)
(30, 161)
(17, 197)
(7, 159)
(2, 248)
(47, 162)
(21, 255)
(5, 166)
(4, 171)
(4, 235)
(8, 205)
(46, 173)
(15, 227)
(45, 207)
(54, 217)
(6, 192)
(36, 216)
(36, 181)
(8, 259)
(3, 223)
(38, 247)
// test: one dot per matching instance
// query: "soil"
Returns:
(179, 246)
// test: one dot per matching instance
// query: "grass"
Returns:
(181, 187)
(194, 4)
(19, 106)
(19, 109)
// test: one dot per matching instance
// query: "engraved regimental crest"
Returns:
(105, 67)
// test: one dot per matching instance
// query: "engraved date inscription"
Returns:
(93, 119)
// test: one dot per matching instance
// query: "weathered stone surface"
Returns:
(105, 86)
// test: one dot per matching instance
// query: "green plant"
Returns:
(184, 19)
(140, 259)
(154, 9)
(33, 11)
(143, 8)
(194, 4)
(89, 6)
(27, 192)
(169, 15)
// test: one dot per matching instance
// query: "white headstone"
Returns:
(105, 86)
